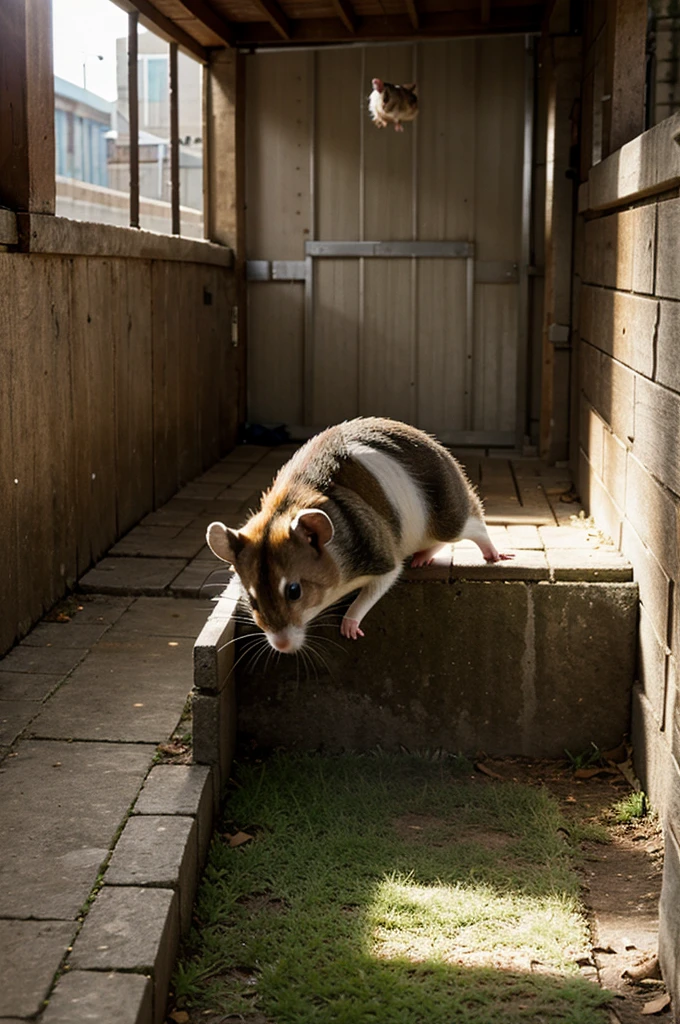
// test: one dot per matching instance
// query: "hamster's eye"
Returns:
(293, 591)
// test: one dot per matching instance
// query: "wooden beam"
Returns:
(413, 14)
(485, 13)
(27, 107)
(347, 14)
(277, 18)
(151, 18)
(133, 118)
(376, 28)
(208, 17)
(174, 140)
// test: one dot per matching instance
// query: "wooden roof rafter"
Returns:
(411, 7)
(276, 17)
(347, 14)
(209, 17)
(156, 22)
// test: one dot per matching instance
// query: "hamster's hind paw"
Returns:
(350, 628)
(499, 557)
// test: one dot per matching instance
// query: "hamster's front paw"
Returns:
(350, 628)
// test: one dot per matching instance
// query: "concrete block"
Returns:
(528, 564)
(552, 668)
(30, 954)
(592, 436)
(647, 163)
(652, 580)
(65, 634)
(163, 616)
(27, 686)
(129, 691)
(644, 254)
(622, 325)
(52, 661)
(97, 609)
(184, 790)
(214, 732)
(158, 542)
(214, 650)
(132, 575)
(614, 468)
(657, 433)
(652, 658)
(159, 850)
(668, 249)
(100, 999)
(598, 501)
(597, 566)
(15, 715)
(668, 364)
(669, 919)
(167, 517)
(609, 249)
(654, 512)
(524, 538)
(54, 836)
(131, 929)
(610, 389)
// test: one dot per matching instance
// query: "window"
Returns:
(663, 60)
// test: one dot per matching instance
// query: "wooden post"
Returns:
(224, 183)
(27, 165)
(133, 118)
(174, 140)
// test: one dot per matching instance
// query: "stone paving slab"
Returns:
(132, 575)
(30, 954)
(163, 616)
(159, 850)
(167, 517)
(126, 691)
(202, 579)
(94, 609)
(70, 634)
(147, 541)
(596, 566)
(48, 660)
(27, 685)
(131, 929)
(100, 999)
(60, 807)
(184, 789)
(14, 717)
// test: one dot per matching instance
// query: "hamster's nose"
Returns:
(279, 642)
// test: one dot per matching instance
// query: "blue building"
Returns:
(81, 122)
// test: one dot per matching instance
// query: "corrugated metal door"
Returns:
(425, 323)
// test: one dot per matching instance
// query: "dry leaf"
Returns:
(570, 799)
(481, 767)
(239, 838)
(63, 617)
(179, 1016)
(587, 773)
(657, 1005)
(648, 969)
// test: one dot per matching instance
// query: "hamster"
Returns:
(342, 515)
(392, 103)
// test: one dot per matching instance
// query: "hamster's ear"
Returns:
(315, 525)
(412, 87)
(225, 543)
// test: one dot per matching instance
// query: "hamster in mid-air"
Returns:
(342, 515)
(392, 104)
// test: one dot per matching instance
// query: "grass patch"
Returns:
(390, 889)
(631, 808)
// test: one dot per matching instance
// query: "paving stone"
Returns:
(180, 789)
(200, 491)
(565, 537)
(228, 510)
(26, 685)
(191, 505)
(131, 929)
(159, 850)
(30, 953)
(14, 717)
(526, 565)
(132, 575)
(60, 807)
(439, 570)
(129, 690)
(594, 565)
(163, 616)
(50, 660)
(167, 517)
(524, 537)
(158, 542)
(98, 608)
(65, 634)
(90, 996)
(202, 579)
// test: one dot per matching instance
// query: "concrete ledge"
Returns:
(8, 228)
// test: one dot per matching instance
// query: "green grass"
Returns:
(388, 889)
(630, 808)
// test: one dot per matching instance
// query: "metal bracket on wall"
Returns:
(400, 250)
(559, 335)
(276, 270)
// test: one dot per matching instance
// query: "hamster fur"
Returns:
(392, 104)
(342, 515)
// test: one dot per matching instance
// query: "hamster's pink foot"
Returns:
(350, 628)
(398, 126)
(496, 556)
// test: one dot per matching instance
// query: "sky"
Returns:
(82, 30)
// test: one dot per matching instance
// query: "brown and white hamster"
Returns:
(342, 514)
(392, 104)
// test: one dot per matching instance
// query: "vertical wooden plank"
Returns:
(133, 394)
(9, 568)
(387, 387)
(174, 140)
(336, 341)
(275, 359)
(95, 337)
(133, 94)
(27, 164)
(187, 296)
(441, 335)
(230, 378)
(495, 378)
(164, 340)
(446, 140)
(338, 143)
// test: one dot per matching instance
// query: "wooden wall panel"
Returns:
(341, 104)
(441, 332)
(276, 315)
(335, 358)
(446, 140)
(165, 341)
(278, 140)
(495, 357)
(388, 155)
(387, 383)
(9, 568)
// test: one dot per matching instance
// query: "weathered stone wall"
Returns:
(118, 383)
(627, 455)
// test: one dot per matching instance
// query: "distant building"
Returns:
(81, 123)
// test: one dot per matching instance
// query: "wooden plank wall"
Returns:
(118, 384)
(388, 336)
